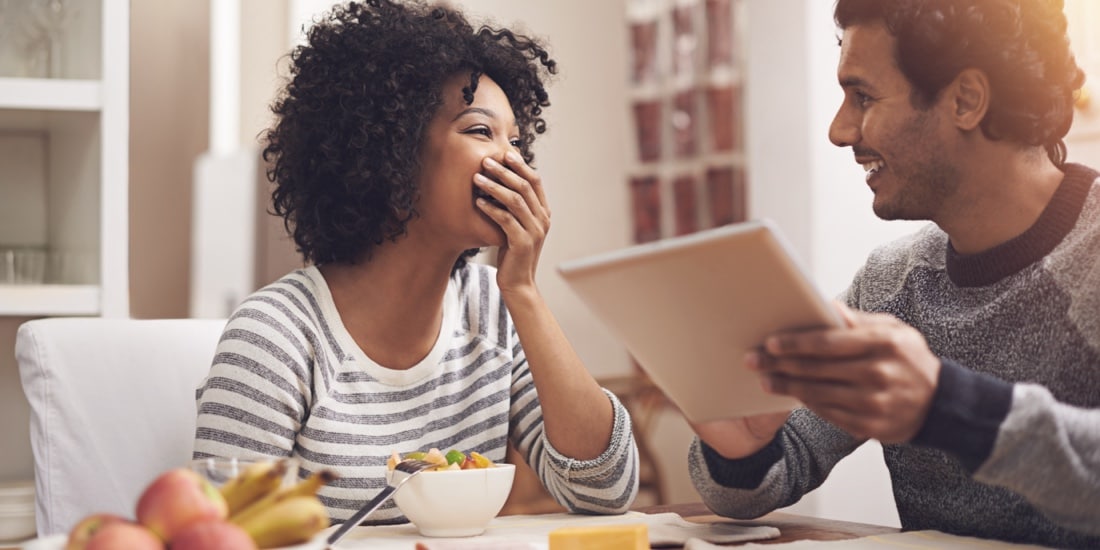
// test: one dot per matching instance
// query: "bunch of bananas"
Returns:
(274, 515)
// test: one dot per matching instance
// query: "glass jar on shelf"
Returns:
(22, 265)
(46, 24)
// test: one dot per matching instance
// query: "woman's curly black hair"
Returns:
(344, 150)
(1021, 46)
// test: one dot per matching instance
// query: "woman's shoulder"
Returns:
(298, 284)
(295, 296)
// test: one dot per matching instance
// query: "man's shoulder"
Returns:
(925, 246)
(889, 266)
(1089, 219)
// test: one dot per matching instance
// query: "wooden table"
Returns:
(792, 527)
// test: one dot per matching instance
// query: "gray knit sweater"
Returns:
(1011, 446)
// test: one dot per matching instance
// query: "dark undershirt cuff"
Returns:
(967, 411)
(742, 473)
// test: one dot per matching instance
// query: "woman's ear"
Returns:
(971, 93)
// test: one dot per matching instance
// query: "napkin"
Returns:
(670, 529)
(911, 540)
(667, 529)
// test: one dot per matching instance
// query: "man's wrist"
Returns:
(966, 413)
(742, 473)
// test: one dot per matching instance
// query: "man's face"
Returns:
(907, 152)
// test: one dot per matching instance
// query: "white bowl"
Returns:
(455, 503)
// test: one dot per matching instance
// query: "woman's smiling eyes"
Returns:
(480, 130)
(488, 133)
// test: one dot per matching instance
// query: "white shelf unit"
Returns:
(69, 199)
(51, 94)
(50, 300)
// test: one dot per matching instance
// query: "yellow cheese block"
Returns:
(604, 537)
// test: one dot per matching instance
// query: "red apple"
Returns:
(85, 528)
(212, 535)
(124, 535)
(176, 499)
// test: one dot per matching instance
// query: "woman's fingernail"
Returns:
(481, 179)
(773, 344)
(752, 360)
(513, 157)
(491, 162)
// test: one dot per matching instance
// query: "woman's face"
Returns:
(458, 139)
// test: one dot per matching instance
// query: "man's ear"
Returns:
(971, 94)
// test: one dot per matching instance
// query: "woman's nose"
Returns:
(497, 156)
(499, 149)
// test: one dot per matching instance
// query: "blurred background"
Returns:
(131, 184)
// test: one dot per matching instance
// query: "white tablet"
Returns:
(688, 309)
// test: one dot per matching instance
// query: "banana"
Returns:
(306, 487)
(253, 483)
(290, 521)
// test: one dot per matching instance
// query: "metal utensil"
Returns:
(411, 467)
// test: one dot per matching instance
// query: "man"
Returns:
(972, 347)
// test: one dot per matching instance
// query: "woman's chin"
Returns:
(490, 234)
(495, 238)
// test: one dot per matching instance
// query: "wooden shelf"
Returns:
(50, 94)
(49, 300)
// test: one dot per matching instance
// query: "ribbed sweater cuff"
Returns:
(967, 410)
(742, 473)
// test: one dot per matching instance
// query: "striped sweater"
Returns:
(1011, 445)
(288, 380)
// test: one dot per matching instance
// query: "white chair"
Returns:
(112, 405)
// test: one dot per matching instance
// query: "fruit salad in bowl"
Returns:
(456, 499)
(451, 460)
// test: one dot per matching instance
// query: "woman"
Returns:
(402, 145)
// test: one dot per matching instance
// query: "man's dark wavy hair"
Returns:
(1020, 45)
(344, 150)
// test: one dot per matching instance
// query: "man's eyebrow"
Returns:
(854, 82)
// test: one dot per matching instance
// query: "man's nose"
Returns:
(843, 131)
